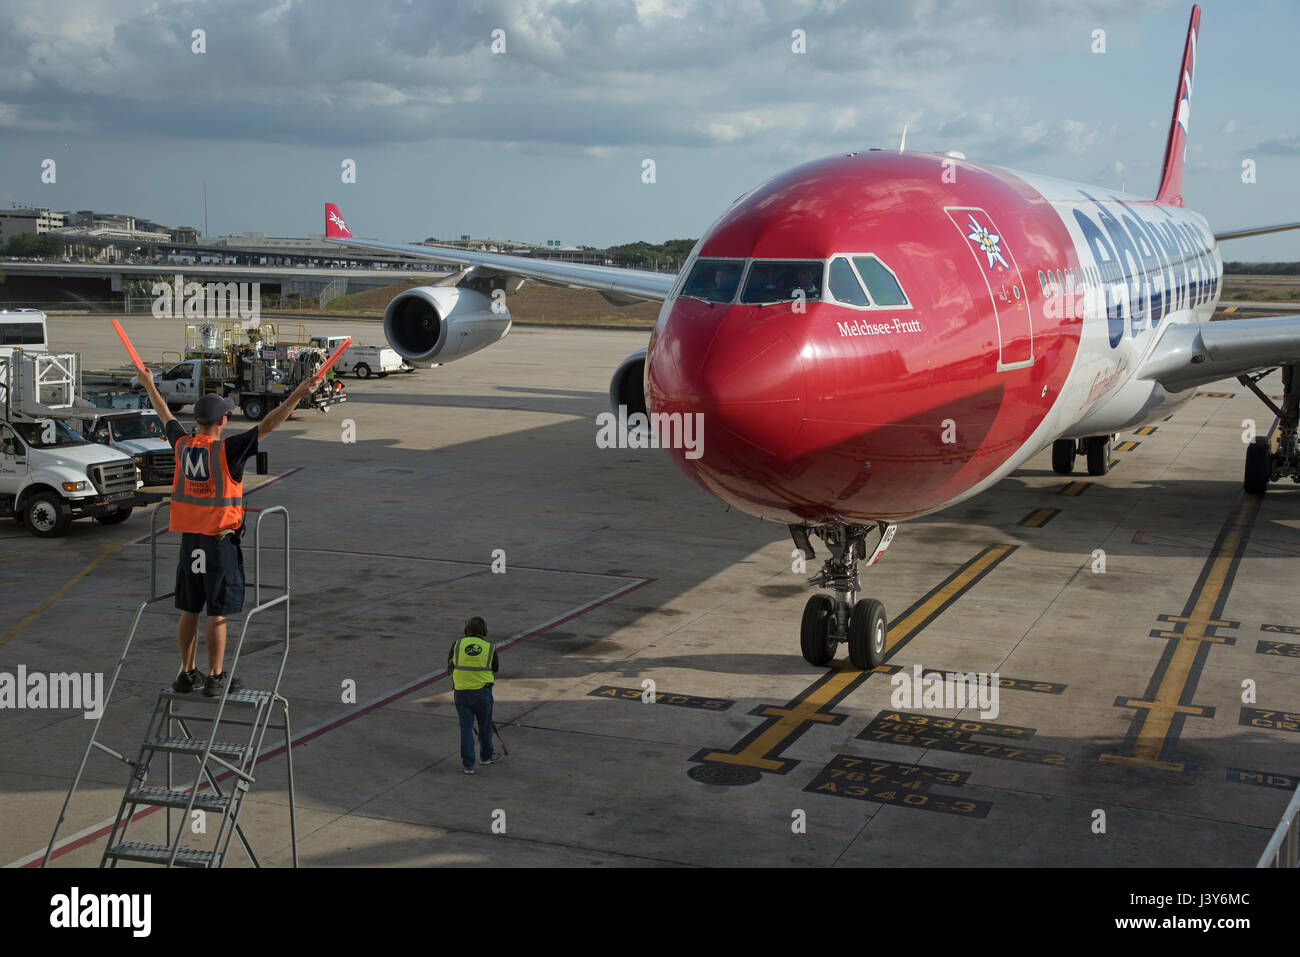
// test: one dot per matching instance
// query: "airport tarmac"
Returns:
(1144, 625)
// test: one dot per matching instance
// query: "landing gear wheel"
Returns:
(868, 629)
(1257, 467)
(46, 515)
(361, 371)
(1063, 456)
(114, 518)
(814, 631)
(255, 410)
(1098, 448)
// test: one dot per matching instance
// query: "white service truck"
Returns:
(50, 474)
(363, 361)
(189, 380)
(139, 434)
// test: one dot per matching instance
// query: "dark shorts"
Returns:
(219, 588)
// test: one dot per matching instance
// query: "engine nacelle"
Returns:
(627, 387)
(431, 325)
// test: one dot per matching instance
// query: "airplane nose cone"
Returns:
(738, 369)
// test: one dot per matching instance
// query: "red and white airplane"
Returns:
(877, 336)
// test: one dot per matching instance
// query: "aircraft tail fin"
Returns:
(335, 227)
(1171, 181)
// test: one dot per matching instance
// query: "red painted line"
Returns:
(335, 723)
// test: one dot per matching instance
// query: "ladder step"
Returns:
(159, 854)
(242, 696)
(223, 749)
(162, 797)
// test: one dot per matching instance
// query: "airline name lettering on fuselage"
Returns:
(1150, 265)
(859, 328)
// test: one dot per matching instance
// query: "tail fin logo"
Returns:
(334, 224)
(1185, 96)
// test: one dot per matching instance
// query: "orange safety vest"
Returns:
(205, 498)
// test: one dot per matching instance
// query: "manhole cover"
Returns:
(727, 775)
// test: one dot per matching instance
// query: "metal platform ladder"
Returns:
(169, 733)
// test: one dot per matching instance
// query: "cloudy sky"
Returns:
(547, 138)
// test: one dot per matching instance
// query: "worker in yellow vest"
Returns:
(473, 664)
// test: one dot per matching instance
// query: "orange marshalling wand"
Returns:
(130, 349)
(334, 357)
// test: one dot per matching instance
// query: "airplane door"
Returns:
(1005, 285)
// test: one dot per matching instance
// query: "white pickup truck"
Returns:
(49, 474)
(184, 383)
(363, 361)
(139, 434)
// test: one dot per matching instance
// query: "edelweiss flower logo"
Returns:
(988, 242)
(337, 220)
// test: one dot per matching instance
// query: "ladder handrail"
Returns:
(229, 826)
(250, 755)
(112, 684)
(1283, 849)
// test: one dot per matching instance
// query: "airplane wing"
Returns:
(1254, 231)
(622, 286)
(1195, 353)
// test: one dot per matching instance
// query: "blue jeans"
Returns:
(474, 706)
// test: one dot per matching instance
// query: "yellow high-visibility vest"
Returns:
(471, 665)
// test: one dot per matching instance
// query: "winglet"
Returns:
(1171, 182)
(335, 227)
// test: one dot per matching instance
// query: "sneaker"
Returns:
(216, 684)
(492, 760)
(187, 681)
(466, 770)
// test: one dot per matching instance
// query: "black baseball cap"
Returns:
(212, 407)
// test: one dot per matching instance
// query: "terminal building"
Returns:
(28, 219)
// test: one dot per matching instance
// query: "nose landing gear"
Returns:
(828, 622)
(1095, 448)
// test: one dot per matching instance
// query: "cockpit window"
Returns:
(714, 280)
(844, 285)
(781, 281)
(881, 284)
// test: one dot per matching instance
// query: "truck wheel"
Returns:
(47, 515)
(174, 407)
(114, 518)
(361, 371)
(255, 409)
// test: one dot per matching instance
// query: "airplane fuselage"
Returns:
(957, 319)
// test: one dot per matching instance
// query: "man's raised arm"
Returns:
(155, 397)
(285, 408)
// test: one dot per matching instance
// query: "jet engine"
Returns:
(431, 325)
(627, 387)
